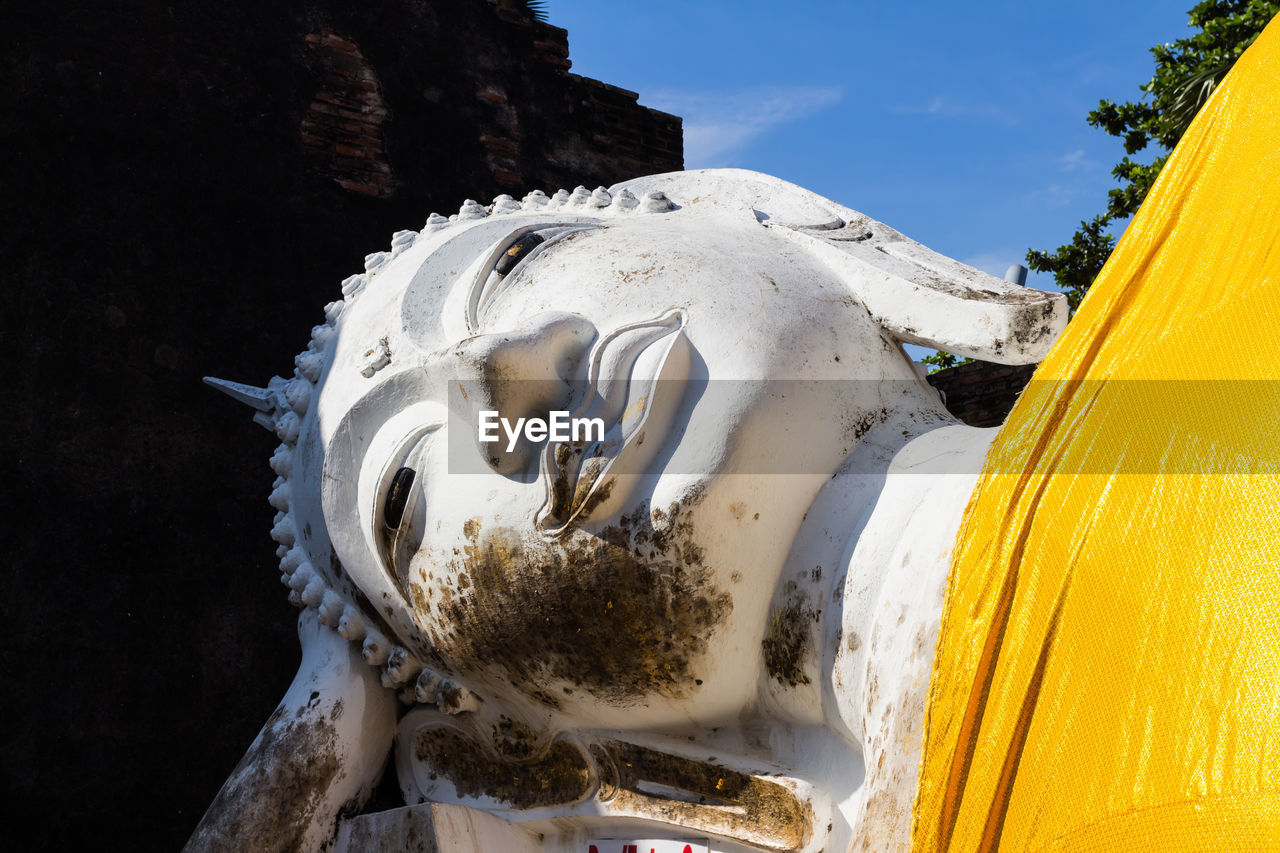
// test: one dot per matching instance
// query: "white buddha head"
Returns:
(731, 338)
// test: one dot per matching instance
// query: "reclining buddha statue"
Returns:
(621, 521)
(708, 614)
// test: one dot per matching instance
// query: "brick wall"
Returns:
(186, 185)
(487, 105)
(982, 393)
(342, 127)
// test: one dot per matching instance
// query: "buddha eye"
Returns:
(397, 508)
(399, 540)
(495, 275)
(517, 252)
(397, 498)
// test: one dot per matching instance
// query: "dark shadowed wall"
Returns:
(184, 186)
(981, 393)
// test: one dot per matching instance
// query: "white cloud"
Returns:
(1056, 194)
(995, 262)
(1076, 175)
(944, 108)
(1075, 161)
(718, 126)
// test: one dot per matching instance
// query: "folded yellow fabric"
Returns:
(1108, 668)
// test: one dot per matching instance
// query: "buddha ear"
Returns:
(922, 297)
(917, 295)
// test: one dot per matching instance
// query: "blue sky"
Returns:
(960, 124)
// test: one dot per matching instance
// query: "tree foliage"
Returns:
(941, 360)
(1186, 73)
(538, 9)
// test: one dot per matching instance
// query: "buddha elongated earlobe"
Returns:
(922, 297)
(914, 293)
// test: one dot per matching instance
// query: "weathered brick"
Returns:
(982, 393)
(267, 99)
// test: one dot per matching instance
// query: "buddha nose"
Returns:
(527, 372)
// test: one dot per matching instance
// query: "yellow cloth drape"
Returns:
(1108, 667)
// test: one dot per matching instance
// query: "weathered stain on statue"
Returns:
(292, 761)
(711, 798)
(558, 775)
(622, 614)
(789, 636)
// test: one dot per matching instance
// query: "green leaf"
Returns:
(538, 9)
(942, 360)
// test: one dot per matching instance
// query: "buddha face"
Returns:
(730, 370)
